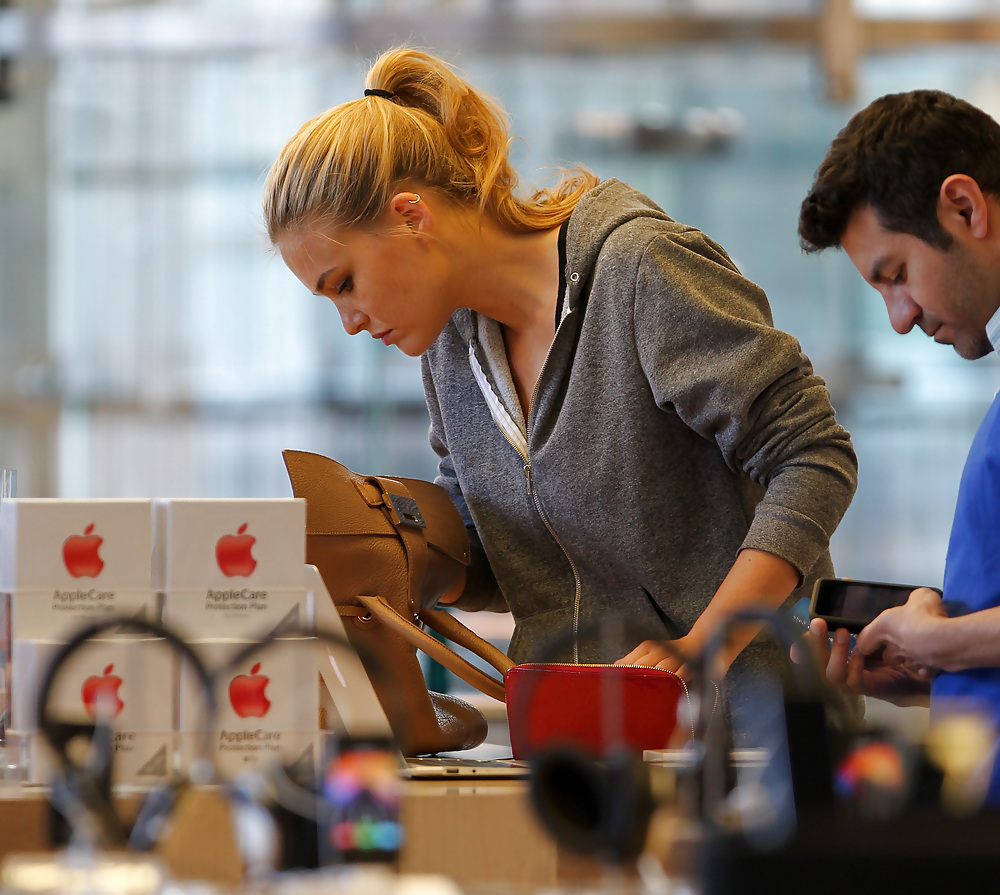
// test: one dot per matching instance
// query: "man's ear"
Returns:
(961, 204)
(407, 209)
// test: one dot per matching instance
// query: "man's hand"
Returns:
(908, 635)
(855, 672)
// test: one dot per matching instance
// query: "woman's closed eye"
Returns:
(346, 285)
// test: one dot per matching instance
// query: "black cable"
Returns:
(812, 696)
(594, 804)
(85, 789)
(89, 783)
(809, 683)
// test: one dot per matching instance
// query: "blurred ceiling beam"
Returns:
(839, 40)
(840, 36)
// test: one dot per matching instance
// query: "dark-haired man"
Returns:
(910, 189)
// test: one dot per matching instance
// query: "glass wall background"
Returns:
(154, 346)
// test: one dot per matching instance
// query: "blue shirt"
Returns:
(972, 573)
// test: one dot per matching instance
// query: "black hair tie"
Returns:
(374, 91)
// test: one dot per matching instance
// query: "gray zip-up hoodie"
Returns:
(672, 425)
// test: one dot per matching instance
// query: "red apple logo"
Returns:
(81, 556)
(100, 694)
(246, 694)
(232, 553)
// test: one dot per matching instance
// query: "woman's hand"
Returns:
(671, 655)
(757, 580)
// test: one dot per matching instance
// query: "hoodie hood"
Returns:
(598, 214)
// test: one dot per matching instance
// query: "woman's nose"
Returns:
(354, 321)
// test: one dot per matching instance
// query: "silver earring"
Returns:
(414, 201)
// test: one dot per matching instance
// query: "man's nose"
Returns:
(903, 311)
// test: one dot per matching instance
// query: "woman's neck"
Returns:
(511, 277)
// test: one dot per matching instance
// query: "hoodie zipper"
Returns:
(533, 492)
(545, 519)
(576, 574)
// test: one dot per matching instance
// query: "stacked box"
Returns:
(125, 680)
(231, 569)
(231, 572)
(268, 707)
(65, 564)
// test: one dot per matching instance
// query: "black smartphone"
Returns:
(360, 789)
(849, 604)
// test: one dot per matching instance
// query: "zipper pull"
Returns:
(527, 476)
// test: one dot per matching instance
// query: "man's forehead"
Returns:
(864, 219)
(863, 233)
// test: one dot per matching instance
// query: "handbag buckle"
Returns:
(404, 511)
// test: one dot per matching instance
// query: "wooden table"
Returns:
(475, 832)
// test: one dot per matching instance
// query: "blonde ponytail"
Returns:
(421, 124)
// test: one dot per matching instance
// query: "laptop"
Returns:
(360, 715)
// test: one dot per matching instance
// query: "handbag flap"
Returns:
(341, 502)
(335, 504)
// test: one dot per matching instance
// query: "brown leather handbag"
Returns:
(387, 549)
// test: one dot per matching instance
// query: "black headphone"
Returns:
(596, 805)
(603, 805)
(286, 796)
(811, 703)
(85, 789)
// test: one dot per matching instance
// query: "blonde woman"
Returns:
(624, 431)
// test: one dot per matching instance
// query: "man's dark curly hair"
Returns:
(894, 155)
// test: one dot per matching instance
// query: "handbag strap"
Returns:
(448, 626)
(393, 498)
(441, 652)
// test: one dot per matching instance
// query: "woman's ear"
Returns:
(961, 204)
(407, 209)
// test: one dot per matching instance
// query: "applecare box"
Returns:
(67, 563)
(127, 680)
(268, 707)
(230, 568)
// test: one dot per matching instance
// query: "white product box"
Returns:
(71, 562)
(131, 678)
(230, 568)
(227, 544)
(267, 712)
(353, 708)
(5, 643)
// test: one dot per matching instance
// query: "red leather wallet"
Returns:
(592, 707)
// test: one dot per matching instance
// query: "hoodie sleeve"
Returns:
(711, 354)
(481, 589)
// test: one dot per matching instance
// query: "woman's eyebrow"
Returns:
(322, 278)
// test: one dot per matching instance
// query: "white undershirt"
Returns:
(993, 330)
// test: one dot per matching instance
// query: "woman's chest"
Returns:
(526, 356)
